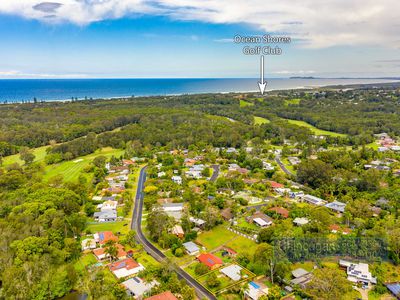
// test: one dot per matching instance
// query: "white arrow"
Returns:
(262, 84)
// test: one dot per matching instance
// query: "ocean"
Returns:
(12, 90)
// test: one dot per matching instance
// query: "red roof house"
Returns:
(210, 260)
(276, 185)
(105, 236)
(280, 210)
(125, 267)
(163, 296)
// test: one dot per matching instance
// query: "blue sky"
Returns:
(168, 38)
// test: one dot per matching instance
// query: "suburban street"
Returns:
(201, 292)
(282, 166)
(215, 172)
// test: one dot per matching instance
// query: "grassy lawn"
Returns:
(315, 130)
(245, 103)
(241, 222)
(292, 102)
(84, 261)
(216, 237)
(71, 170)
(146, 260)
(260, 120)
(242, 245)
(120, 226)
(39, 153)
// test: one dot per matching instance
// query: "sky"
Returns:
(193, 38)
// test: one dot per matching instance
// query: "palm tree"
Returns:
(111, 250)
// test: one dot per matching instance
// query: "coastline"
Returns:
(308, 87)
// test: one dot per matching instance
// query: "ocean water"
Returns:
(65, 89)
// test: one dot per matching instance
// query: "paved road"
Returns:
(282, 166)
(201, 292)
(215, 173)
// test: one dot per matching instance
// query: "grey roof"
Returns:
(138, 287)
(191, 247)
(233, 272)
(106, 214)
(336, 205)
(299, 272)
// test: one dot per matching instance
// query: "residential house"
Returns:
(394, 288)
(178, 231)
(300, 221)
(137, 287)
(101, 253)
(255, 291)
(105, 236)
(267, 166)
(105, 216)
(125, 267)
(275, 185)
(313, 200)
(161, 174)
(233, 272)
(197, 222)
(226, 214)
(88, 244)
(163, 296)
(177, 179)
(191, 248)
(294, 160)
(281, 211)
(334, 228)
(358, 272)
(211, 261)
(260, 219)
(301, 278)
(336, 206)
(173, 210)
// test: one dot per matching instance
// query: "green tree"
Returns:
(329, 284)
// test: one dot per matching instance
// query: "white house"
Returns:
(177, 179)
(233, 272)
(161, 174)
(109, 205)
(313, 200)
(137, 288)
(300, 221)
(358, 272)
(336, 206)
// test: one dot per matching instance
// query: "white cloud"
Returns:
(319, 23)
(19, 74)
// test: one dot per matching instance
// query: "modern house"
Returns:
(211, 261)
(358, 273)
(138, 288)
(125, 267)
(233, 272)
(191, 248)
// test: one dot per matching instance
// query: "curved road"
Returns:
(136, 225)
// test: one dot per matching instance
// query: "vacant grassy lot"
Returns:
(216, 237)
(260, 121)
(120, 226)
(315, 130)
(71, 170)
(84, 261)
(242, 245)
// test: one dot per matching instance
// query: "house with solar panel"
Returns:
(358, 272)
(255, 291)
(336, 206)
(210, 260)
(126, 267)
